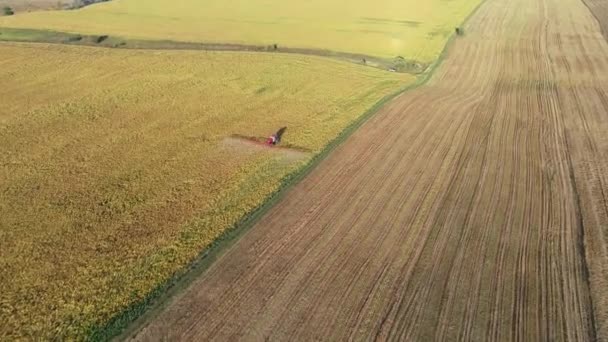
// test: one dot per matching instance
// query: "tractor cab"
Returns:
(272, 140)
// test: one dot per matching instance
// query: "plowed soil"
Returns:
(473, 208)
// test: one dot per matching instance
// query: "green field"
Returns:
(412, 29)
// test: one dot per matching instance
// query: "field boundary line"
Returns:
(133, 318)
(32, 36)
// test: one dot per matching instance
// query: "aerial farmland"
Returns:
(440, 170)
(387, 29)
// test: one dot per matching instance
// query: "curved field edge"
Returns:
(135, 317)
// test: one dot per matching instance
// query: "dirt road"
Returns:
(473, 208)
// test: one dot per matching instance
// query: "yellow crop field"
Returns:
(387, 28)
(117, 167)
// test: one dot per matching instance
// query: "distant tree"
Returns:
(100, 39)
(8, 11)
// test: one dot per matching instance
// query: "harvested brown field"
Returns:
(473, 208)
(35, 5)
(43, 5)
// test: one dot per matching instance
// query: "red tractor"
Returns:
(276, 138)
(272, 140)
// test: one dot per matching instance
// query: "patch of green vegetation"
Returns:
(8, 11)
(44, 36)
(27, 35)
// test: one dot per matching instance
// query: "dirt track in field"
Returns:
(473, 208)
